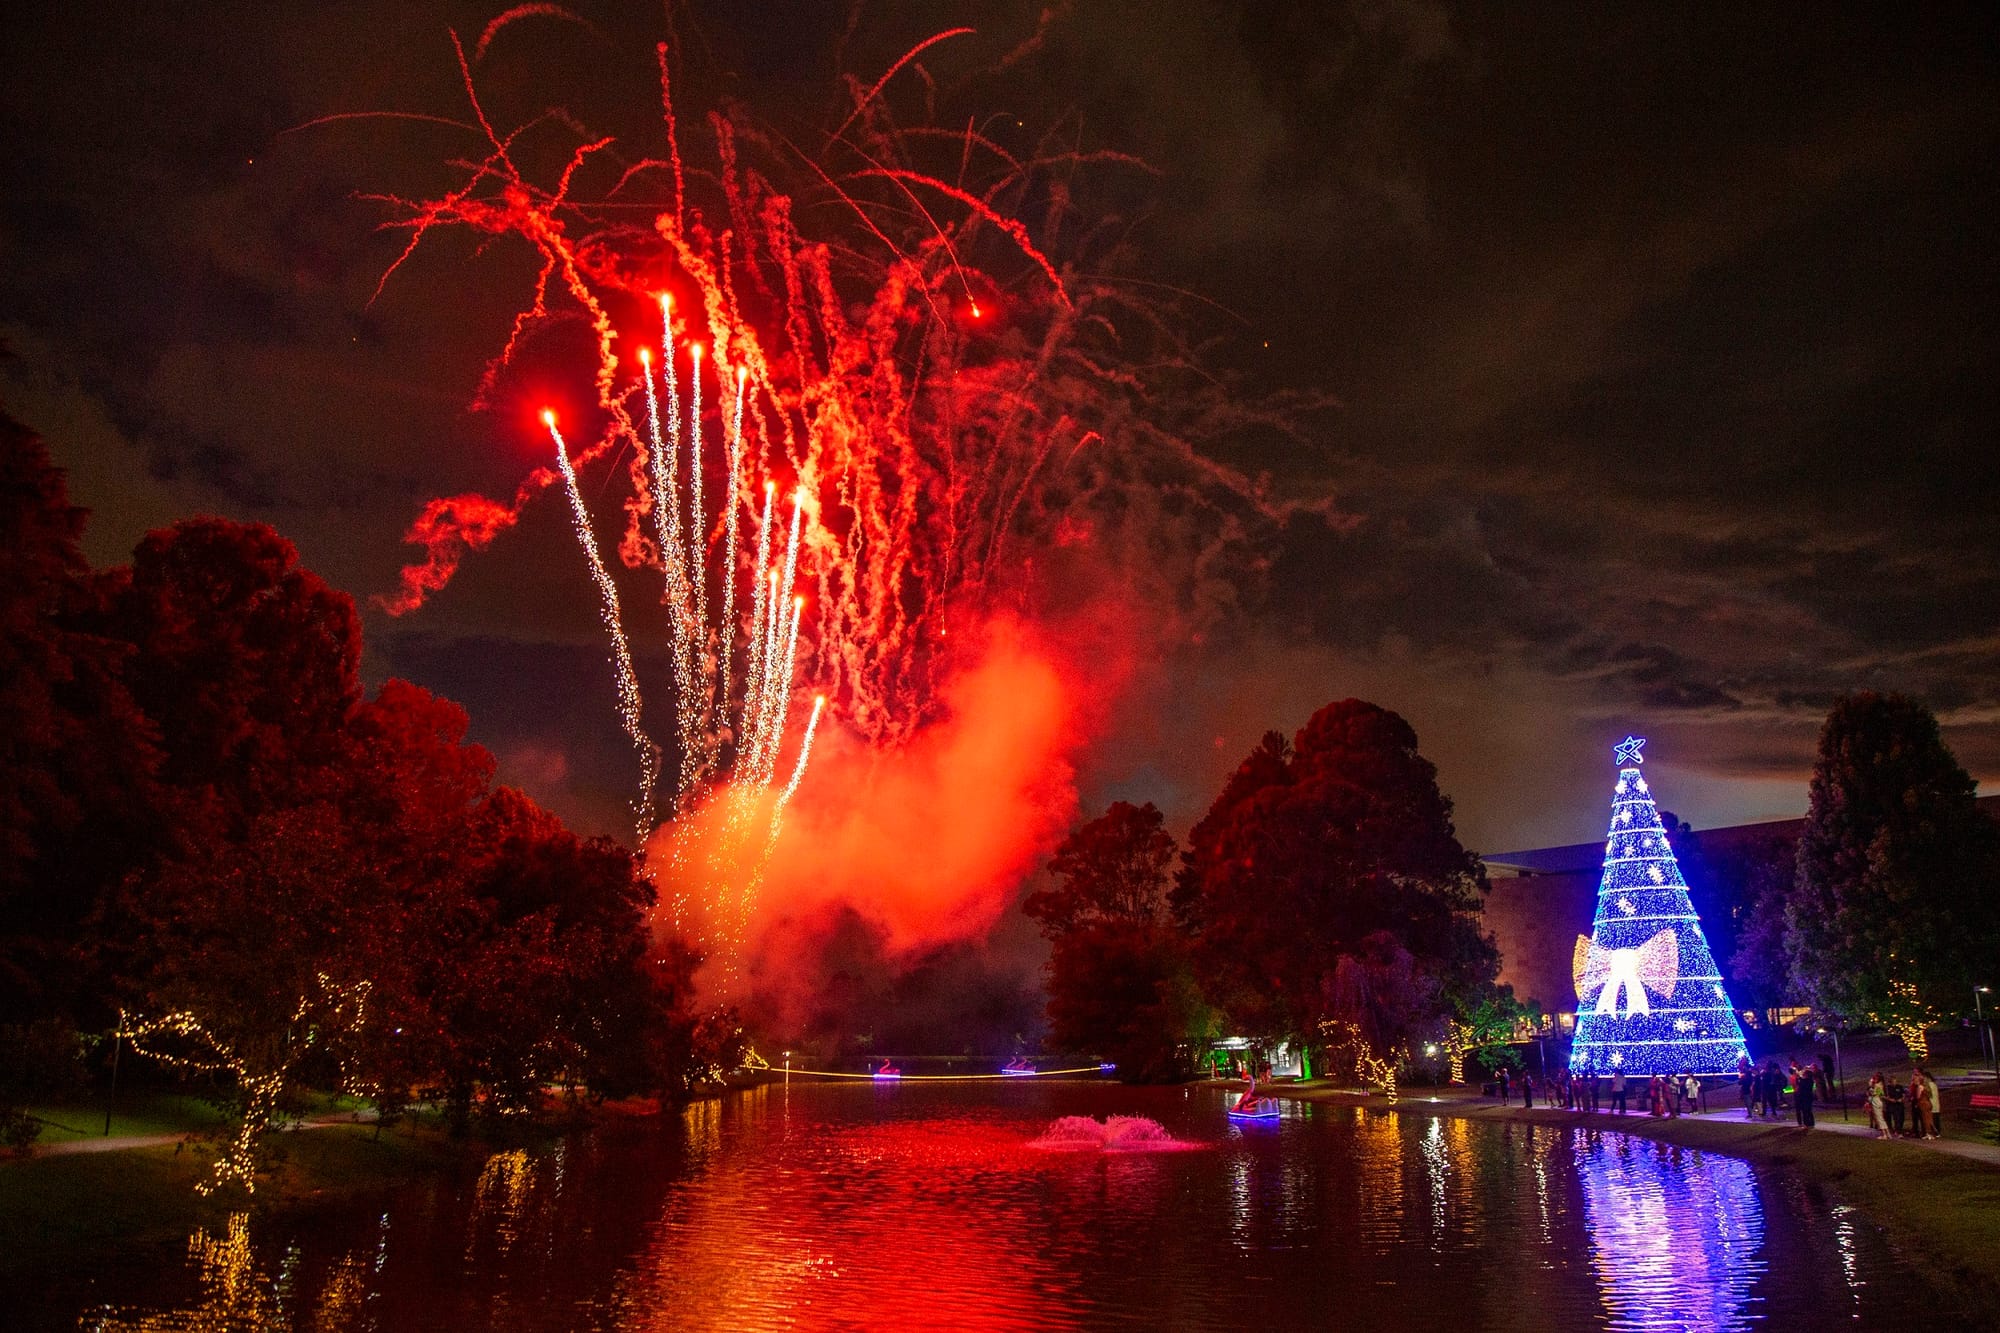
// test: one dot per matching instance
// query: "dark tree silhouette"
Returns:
(1327, 883)
(1120, 985)
(247, 663)
(77, 758)
(1124, 991)
(1113, 869)
(203, 820)
(1894, 908)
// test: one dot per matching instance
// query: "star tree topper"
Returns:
(1627, 751)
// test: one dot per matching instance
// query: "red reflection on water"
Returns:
(914, 1224)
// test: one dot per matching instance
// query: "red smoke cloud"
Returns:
(931, 838)
(928, 840)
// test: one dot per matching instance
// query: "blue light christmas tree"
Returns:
(1649, 998)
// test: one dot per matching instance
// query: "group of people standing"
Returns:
(1665, 1094)
(1764, 1090)
(1572, 1092)
(1889, 1102)
(1766, 1094)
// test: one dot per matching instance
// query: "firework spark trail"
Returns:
(799, 768)
(683, 570)
(791, 657)
(697, 516)
(733, 864)
(729, 526)
(666, 517)
(755, 710)
(629, 704)
(753, 677)
(911, 417)
(777, 685)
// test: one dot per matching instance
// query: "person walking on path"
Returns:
(1746, 1082)
(1527, 1091)
(1803, 1098)
(1506, 1092)
(1894, 1104)
(1656, 1096)
(1692, 1087)
(1618, 1091)
(1877, 1121)
(1937, 1103)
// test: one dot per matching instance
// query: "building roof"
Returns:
(1548, 860)
(1588, 857)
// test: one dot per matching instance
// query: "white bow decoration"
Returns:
(1605, 973)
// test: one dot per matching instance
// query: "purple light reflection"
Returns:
(1677, 1236)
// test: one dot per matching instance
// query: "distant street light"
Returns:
(1989, 1047)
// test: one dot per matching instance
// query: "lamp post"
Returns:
(1833, 1030)
(117, 1036)
(1990, 1047)
(788, 1069)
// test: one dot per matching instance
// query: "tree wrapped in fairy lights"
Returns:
(1649, 998)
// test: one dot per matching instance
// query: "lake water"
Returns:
(913, 1206)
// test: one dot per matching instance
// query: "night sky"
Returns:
(1662, 343)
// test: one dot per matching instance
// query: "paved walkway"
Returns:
(1827, 1118)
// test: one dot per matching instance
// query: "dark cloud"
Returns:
(1663, 342)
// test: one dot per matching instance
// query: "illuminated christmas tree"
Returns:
(1649, 998)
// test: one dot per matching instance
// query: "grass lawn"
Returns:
(75, 1210)
(138, 1113)
(139, 1202)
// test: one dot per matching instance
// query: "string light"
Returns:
(1460, 1040)
(1909, 1018)
(341, 1010)
(1649, 997)
(1377, 1071)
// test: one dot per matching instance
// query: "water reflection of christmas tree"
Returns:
(1649, 998)
(1677, 1237)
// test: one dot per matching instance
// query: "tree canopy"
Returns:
(1896, 903)
(1327, 882)
(206, 822)
(1120, 984)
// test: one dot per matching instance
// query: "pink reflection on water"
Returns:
(1115, 1133)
